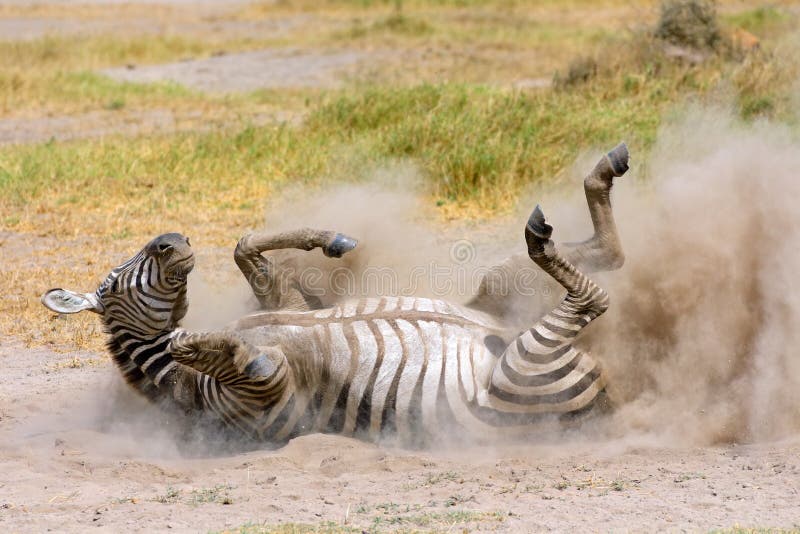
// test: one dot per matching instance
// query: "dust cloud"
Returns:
(402, 250)
(700, 342)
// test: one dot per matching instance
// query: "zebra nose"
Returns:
(187, 242)
(163, 247)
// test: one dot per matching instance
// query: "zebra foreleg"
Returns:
(274, 288)
(541, 372)
(225, 355)
(232, 361)
(237, 382)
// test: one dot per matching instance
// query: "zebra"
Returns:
(412, 368)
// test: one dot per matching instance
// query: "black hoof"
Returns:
(260, 367)
(618, 158)
(537, 225)
(340, 245)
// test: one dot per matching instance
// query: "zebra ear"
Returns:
(65, 301)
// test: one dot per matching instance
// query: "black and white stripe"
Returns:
(139, 307)
(419, 368)
(416, 368)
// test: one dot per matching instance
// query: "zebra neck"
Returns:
(142, 359)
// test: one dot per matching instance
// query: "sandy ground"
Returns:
(97, 124)
(78, 450)
(248, 71)
(275, 68)
(29, 28)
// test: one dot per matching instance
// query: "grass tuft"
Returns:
(760, 20)
(690, 23)
(476, 146)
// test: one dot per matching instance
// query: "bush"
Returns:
(689, 23)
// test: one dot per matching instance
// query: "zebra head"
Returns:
(146, 294)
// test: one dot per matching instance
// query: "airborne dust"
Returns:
(701, 341)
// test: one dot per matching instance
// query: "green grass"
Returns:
(761, 20)
(81, 90)
(430, 522)
(478, 144)
(472, 144)
(57, 74)
(476, 147)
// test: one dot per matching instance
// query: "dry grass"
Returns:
(70, 211)
(389, 517)
(97, 11)
(55, 74)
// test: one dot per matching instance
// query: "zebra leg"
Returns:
(224, 355)
(602, 251)
(494, 292)
(273, 287)
(541, 372)
(229, 359)
(236, 381)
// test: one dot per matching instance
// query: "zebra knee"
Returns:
(244, 251)
(594, 302)
(600, 302)
(616, 260)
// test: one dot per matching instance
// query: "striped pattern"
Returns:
(541, 372)
(140, 309)
(414, 368)
(419, 368)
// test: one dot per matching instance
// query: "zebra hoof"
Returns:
(537, 225)
(340, 245)
(260, 367)
(618, 157)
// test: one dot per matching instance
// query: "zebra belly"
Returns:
(379, 377)
(412, 368)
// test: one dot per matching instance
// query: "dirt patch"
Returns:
(30, 28)
(95, 124)
(130, 123)
(248, 71)
(77, 449)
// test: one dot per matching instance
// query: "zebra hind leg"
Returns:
(541, 372)
(601, 252)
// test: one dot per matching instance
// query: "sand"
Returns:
(248, 71)
(78, 450)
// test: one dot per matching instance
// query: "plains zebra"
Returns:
(412, 367)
